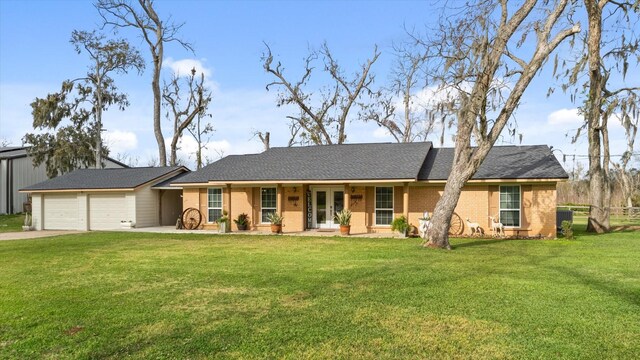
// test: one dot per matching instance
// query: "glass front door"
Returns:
(326, 203)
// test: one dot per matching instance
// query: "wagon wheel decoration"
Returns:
(191, 218)
(455, 226)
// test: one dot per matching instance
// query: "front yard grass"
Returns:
(112, 295)
(11, 222)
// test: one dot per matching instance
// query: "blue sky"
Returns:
(228, 36)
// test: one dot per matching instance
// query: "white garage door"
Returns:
(106, 211)
(60, 212)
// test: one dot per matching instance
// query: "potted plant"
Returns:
(27, 222)
(400, 225)
(344, 219)
(276, 222)
(126, 224)
(223, 222)
(242, 221)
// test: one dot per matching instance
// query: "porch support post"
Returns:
(303, 205)
(226, 199)
(279, 198)
(347, 197)
(160, 192)
(405, 200)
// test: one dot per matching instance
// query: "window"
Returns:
(268, 203)
(214, 204)
(384, 205)
(510, 205)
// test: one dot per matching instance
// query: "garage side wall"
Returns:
(147, 207)
(36, 211)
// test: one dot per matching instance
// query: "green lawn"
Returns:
(113, 295)
(11, 223)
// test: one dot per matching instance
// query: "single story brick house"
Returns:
(101, 199)
(377, 182)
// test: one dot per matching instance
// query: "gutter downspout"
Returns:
(9, 186)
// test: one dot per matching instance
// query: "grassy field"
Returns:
(111, 295)
(11, 223)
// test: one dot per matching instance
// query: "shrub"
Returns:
(224, 218)
(343, 217)
(567, 229)
(243, 219)
(275, 218)
(400, 224)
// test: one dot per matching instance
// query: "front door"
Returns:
(326, 203)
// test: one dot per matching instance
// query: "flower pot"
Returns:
(242, 227)
(126, 225)
(345, 229)
(222, 227)
(276, 228)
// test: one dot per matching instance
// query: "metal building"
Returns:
(17, 171)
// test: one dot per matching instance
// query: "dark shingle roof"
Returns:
(502, 162)
(167, 182)
(323, 162)
(125, 178)
(388, 161)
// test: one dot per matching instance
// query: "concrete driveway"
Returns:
(34, 234)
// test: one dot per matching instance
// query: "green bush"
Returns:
(567, 229)
(400, 224)
(343, 217)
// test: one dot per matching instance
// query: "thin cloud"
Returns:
(120, 142)
(183, 67)
(565, 117)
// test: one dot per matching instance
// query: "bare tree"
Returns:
(604, 54)
(152, 161)
(183, 108)
(156, 32)
(5, 142)
(201, 132)
(415, 123)
(624, 175)
(473, 53)
(265, 138)
(315, 124)
(127, 159)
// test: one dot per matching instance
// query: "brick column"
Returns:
(405, 200)
(347, 196)
(226, 199)
(279, 199)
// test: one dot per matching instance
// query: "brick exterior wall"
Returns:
(293, 210)
(477, 203)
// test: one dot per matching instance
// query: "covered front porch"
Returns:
(305, 207)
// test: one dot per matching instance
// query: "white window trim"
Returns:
(268, 208)
(519, 210)
(210, 221)
(375, 203)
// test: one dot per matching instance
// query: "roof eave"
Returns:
(28, 191)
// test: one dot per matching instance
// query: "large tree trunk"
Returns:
(157, 97)
(442, 214)
(599, 183)
(99, 127)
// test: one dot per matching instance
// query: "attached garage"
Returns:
(105, 211)
(62, 210)
(100, 199)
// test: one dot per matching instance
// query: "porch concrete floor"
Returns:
(312, 232)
